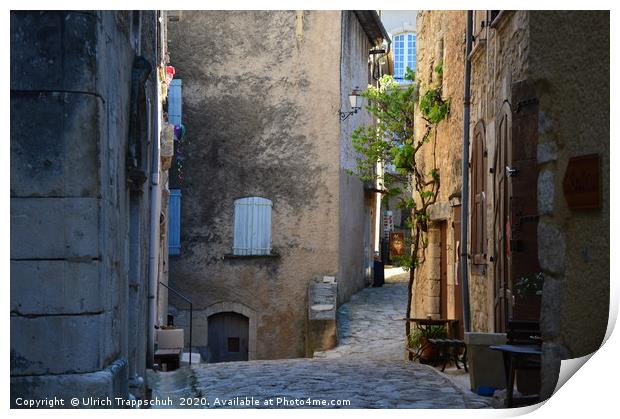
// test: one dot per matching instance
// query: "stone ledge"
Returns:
(109, 382)
(230, 256)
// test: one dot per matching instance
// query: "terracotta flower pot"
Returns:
(429, 352)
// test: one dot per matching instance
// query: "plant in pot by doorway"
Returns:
(418, 339)
(528, 295)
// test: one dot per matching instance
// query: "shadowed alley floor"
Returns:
(366, 370)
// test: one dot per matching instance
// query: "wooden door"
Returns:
(515, 207)
(523, 212)
(228, 337)
(443, 270)
(458, 296)
(500, 219)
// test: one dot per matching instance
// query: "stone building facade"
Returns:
(440, 41)
(85, 117)
(262, 92)
(539, 173)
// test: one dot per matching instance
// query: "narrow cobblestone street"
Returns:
(367, 367)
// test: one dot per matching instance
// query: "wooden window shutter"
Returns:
(252, 228)
(478, 197)
(174, 222)
(175, 102)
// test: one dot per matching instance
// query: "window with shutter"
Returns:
(478, 196)
(174, 222)
(175, 101)
(252, 228)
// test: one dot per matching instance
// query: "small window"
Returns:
(174, 222)
(404, 55)
(252, 228)
(478, 196)
(233, 345)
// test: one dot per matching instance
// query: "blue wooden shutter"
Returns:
(252, 228)
(175, 101)
(174, 222)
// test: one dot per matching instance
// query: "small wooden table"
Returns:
(517, 357)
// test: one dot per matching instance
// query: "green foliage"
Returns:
(531, 284)
(433, 107)
(439, 68)
(393, 140)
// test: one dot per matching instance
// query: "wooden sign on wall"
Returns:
(397, 244)
(582, 182)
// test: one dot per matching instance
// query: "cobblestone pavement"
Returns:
(368, 369)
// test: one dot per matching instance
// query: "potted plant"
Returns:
(418, 339)
(528, 295)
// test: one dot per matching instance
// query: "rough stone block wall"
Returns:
(572, 81)
(440, 37)
(70, 81)
(498, 59)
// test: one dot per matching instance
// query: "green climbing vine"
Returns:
(392, 140)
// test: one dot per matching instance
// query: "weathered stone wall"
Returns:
(565, 55)
(70, 204)
(499, 58)
(356, 213)
(440, 38)
(569, 63)
(261, 109)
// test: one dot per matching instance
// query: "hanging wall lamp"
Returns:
(355, 100)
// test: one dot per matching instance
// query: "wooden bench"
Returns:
(449, 349)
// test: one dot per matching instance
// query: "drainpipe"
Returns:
(465, 187)
(155, 210)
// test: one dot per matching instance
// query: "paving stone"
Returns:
(367, 368)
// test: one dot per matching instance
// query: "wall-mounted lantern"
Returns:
(355, 100)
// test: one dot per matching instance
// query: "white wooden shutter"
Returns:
(175, 101)
(252, 228)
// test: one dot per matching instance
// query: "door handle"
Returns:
(512, 171)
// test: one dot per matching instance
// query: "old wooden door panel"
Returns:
(228, 337)
(523, 215)
(458, 298)
(443, 269)
(500, 221)
(524, 200)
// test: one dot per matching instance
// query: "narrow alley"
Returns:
(367, 368)
(224, 186)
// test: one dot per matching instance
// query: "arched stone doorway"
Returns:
(228, 337)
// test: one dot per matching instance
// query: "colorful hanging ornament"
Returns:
(179, 131)
(170, 72)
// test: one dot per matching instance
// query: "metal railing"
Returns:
(191, 312)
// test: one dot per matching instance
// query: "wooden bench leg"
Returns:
(445, 352)
(455, 353)
(464, 359)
